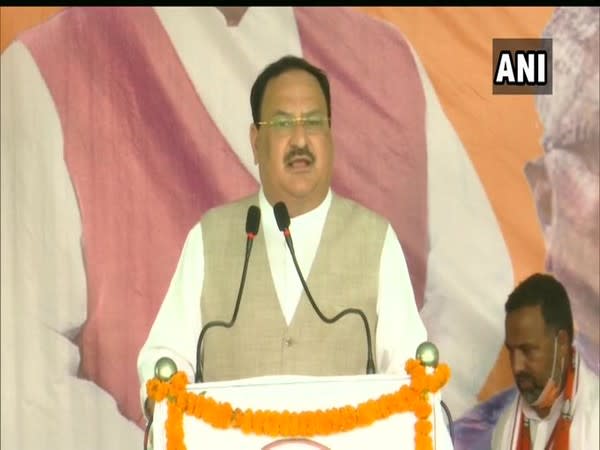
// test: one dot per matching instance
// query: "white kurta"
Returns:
(178, 324)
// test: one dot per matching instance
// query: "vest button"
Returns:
(288, 342)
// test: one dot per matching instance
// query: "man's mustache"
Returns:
(521, 378)
(299, 152)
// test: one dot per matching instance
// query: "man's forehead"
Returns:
(293, 83)
(525, 322)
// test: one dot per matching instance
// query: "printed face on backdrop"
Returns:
(565, 180)
(566, 187)
(294, 148)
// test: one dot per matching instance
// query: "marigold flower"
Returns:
(413, 397)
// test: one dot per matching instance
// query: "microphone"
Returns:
(252, 224)
(283, 222)
(164, 369)
(429, 356)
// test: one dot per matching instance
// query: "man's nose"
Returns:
(518, 361)
(298, 137)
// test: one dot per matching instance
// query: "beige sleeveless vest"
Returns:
(344, 274)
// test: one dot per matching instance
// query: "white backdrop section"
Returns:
(469, 270)
(43, 284)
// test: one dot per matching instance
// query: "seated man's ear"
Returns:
(564, 343)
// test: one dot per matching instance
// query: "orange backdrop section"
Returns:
(500, 133)
(14, 19)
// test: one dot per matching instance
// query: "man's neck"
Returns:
(233, 14)
(297, 207)
(543, 412)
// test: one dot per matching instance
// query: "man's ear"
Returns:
(564, 343)
(254, 141)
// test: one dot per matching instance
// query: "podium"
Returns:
(323, 401)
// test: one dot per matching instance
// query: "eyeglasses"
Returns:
(285, 125)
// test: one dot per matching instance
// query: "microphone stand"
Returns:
(370, 363)
(199, 378)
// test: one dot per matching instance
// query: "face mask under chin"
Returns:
(545, 397)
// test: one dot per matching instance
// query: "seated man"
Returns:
(557, 405)
(350, 255)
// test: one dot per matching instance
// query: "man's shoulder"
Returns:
(352, 207)
(590, 383)
(358, 219)
(507, 411)
(231, 208)
(510, 399)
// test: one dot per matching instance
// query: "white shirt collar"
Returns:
(310, 219)
(306, 232)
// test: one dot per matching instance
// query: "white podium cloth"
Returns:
(301, 393)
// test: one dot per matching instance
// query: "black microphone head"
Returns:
(281, 216)
(253, 220)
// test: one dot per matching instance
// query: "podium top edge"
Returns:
(280, 380)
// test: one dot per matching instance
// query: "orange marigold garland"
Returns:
(174, 427)
(412, 398)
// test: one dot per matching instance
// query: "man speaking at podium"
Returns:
(350, 256)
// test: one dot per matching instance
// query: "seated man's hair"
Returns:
(547, 292)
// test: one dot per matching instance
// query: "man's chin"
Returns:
(305, 190)
(529, 396)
